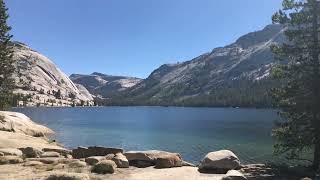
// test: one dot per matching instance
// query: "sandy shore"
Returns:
(17, 172)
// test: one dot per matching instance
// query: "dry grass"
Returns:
(44, 167)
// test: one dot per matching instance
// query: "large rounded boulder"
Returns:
(77, 164)
(104, 167)
(11, 152)
(121, 161)
(143, 159)
(94, 159)
(49, 154)
(84, 152)
(219, 162)
(169, 161)
(30, 152)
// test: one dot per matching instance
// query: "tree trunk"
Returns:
(316, 158)
(316, 75)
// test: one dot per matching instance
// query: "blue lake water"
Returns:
(192, 132)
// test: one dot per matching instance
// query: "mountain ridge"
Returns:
(245, 63)
(39, 82)
(104, 85)
(248, 60)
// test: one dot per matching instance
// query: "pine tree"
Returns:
(6, 60)
(299, 98)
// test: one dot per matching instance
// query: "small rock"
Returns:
(63, 152)
(32, 163)
(67, 160)
(109, 156)
(46, 160)
(30, 152)
(185, 163)
(50, 154)
(219, 162)
(11, 152)
(94, 159)
(10, 160)
(60, 151)
(234, 175)
(104, 167)
(121, 161)
(1, 154)
(77, 164)
(68, 176)
(252, 170)
(168, 161)
(141, 163)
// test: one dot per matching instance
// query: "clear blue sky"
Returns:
(132, 37)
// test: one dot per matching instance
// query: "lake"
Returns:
(192, 132)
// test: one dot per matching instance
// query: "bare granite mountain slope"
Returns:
(210, 77)
(41, 82)
(104, 85)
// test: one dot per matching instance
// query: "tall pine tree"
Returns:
(6, 60)
(299, 98)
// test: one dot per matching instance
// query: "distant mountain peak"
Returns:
(264, 35)
(98, 74)
(104, 85)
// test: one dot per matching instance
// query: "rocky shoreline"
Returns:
(25, 153)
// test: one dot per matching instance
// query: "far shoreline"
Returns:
(207, 107)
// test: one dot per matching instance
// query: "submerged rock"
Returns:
(121, 161)
(104, 167)
(83, 152)
(219, 162)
